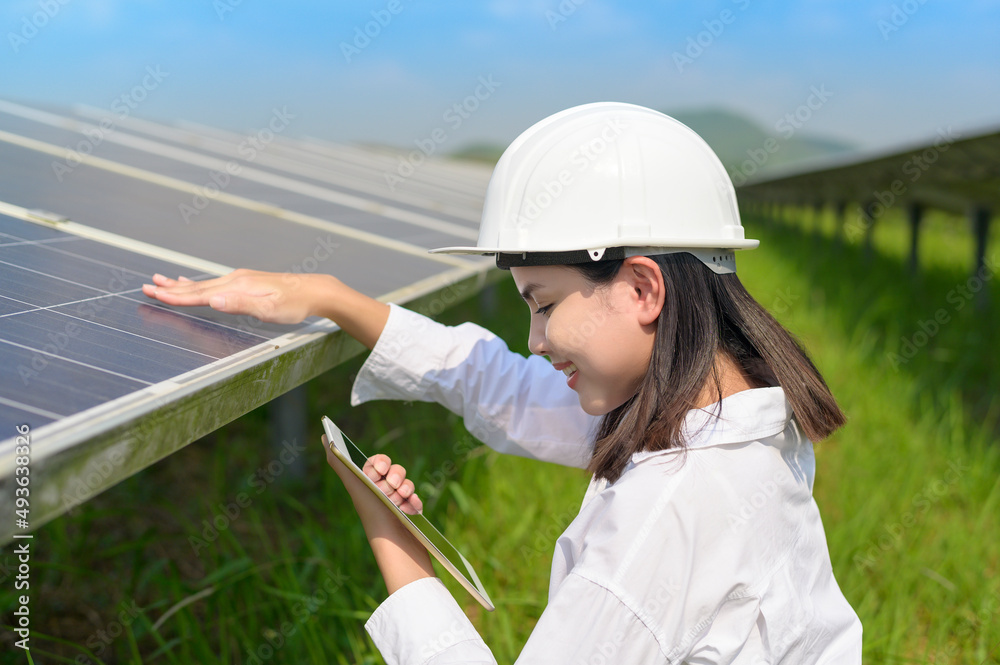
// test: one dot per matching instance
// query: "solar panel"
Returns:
(111, 381)
(953, 172)
(950, 171)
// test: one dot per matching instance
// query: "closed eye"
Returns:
(543, 310)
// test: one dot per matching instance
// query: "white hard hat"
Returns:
(605, 181)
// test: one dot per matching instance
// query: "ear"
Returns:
(646, 281)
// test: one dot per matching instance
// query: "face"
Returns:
(601, 337)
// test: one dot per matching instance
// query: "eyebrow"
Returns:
(528, 290)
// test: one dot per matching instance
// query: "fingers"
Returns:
(184, 291)
(270, 297)
(377, 467)
(413, 505)
(388, 477)
(391, 479)
(183, 284)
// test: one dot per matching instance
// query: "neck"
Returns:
(732, 380)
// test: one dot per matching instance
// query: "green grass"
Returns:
(914, 541)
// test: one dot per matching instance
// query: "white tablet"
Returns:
(439, 547)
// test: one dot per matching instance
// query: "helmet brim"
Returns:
(669, 243)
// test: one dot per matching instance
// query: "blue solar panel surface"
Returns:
(93, 204)
(77, 331)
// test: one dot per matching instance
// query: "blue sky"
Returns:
(895, 72)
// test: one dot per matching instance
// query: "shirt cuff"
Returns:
(419, 621)
(384, 374)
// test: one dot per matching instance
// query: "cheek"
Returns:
(572, 332)
(625, 353)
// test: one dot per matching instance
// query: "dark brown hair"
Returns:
(704, 314)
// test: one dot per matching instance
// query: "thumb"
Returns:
(219, 302)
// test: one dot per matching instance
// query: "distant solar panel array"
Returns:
(954, 171)
(92, 204)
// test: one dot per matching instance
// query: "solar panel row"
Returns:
(954, 171)
(110, 381)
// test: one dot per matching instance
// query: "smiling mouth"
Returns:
(568, 371)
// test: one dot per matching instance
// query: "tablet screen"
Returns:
(438, 546)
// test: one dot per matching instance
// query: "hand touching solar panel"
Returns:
(270, 297)
(279, 298)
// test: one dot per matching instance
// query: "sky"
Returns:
(874, 74)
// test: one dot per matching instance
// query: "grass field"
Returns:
(173, 566)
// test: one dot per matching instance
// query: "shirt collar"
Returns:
(748, 415)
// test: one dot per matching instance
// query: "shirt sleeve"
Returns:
(516, 405)
(421, 624)
(585, 622)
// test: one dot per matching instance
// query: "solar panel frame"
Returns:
(77, 455)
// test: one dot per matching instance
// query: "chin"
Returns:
(600, 405)
(596, 407)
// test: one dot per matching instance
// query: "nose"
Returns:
(537, 343)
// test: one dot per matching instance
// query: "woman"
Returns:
(698, 540)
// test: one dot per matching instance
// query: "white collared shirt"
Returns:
(711, 554)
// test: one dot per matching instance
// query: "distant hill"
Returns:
(730, 134)
(479, 152)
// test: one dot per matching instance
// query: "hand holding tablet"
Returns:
(416, 523)
(391, 479)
